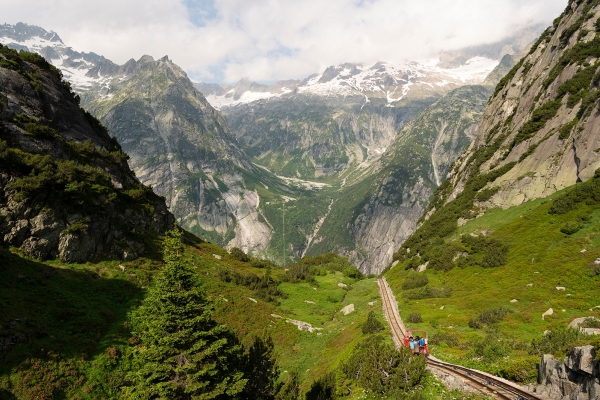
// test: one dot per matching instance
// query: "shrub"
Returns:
(590, 323)
(265, 287)
(489, 349)
(399, 373)
(486, 194)
(308, 267)
(570, 228)
(489, 316)
(323, 388)
(415, 280)
(414, 318)
(239, 254)
(557, 342)
(467, 261)
(565, 131)
(447, 338)
(495, 254)
(523, 370)
(372, 325)
(427, 292)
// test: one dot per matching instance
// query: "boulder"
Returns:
(348, 309)
(573, 379)
(549, 312)
(581, 359)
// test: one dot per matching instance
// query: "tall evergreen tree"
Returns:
(260, 368)
(291, 388)
(183, 353)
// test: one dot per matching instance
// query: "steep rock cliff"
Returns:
(182, 147)
(65, 187)
(381, 209)
(540, 131)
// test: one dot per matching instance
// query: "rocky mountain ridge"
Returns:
(323, 136)
(66, 189)
(182, 147)
(539, 133)
(387, 205)
(393, 82)
(82, 70)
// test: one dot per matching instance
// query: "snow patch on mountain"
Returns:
(75, 66)
(392, 82)
(219, 101)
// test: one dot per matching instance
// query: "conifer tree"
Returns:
(291, 388)
(372, 325)
(183, 353)
(260, 368)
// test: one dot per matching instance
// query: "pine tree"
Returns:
(183, 353)
(372, 325)
(291, 388)
(260, 368)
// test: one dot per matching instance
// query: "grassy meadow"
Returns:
(544, 268)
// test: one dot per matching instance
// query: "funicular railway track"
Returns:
(488, 384)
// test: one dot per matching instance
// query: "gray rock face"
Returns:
(534, 124)
(573, 379)
(65, 188)
(182, 147)
(393, 194)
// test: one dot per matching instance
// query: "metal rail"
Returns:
(485, 383)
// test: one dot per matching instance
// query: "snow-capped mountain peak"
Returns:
(83, 70)
(392, 82)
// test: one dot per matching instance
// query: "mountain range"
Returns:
(270, 172)
(483, 208)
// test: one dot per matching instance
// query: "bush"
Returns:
(372, 325)
(427, 292)
(520, 370)
(489, 349)
(557, 342)
(415, 280)
(565, 131)
(590, 323)
(265, 287)
(308, 267)
(399, 373)
(414, 318)
(570, 228)
(489, 316)
(495, 254)
(239, 254)
(447, 338)
(323, 388)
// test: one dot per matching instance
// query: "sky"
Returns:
(224, 41)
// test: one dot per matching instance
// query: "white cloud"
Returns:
(267, 40)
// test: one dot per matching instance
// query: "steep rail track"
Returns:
(488, 384)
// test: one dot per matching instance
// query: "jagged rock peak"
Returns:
(21, 32)
(66, 190)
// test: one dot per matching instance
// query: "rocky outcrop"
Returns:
(182, 147)
(539, 133)
(66, 190)
(577, 377)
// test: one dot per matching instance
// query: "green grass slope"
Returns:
(65, 328)
(532, 252)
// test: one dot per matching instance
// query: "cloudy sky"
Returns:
(268, 40)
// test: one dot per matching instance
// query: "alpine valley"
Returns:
(282, 167)
(170, 239)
